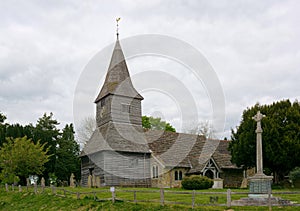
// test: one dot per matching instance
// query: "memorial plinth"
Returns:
(260, 184)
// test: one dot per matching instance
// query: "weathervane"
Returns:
(118, 19)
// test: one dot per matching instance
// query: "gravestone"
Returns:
(72, 181)
(90, 181)
(98, 183)
(42, 182)
(94, 181)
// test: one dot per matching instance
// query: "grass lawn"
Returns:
(47, 201)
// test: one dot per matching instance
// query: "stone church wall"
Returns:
(166, 176)
(232, 178)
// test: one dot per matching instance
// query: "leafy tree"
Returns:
(17, 130)
(281, 138)
(2, 118)
(156, 124)
(47, 132)
(13, 130)
(67, 160)
(2, 128)
(61, 145)
(295, 174)
(20, 157)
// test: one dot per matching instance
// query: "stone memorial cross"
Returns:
(259, 158)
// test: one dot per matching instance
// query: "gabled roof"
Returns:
(187, 150)
(117, 79)
(174, 149)
(119, 137)
(222, 156)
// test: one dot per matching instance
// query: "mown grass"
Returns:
(28, 200)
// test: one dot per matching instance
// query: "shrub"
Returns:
(295, 174)
(295, 177)
(196, 182)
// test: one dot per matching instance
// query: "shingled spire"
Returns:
(117, 79)
(118, 101)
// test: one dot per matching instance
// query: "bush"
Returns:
(196, 182)
(295, 177)
(295, 174)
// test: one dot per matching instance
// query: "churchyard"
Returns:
(79, 198)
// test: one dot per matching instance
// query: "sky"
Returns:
(253, 47)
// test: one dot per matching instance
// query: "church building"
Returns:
(121, 153)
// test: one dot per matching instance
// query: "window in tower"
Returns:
(126, 108)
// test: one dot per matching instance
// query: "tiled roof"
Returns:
(222, 155)
(117, 79)
(173, 149)
(117, 137)
(187, 150)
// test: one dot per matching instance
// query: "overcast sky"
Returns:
(252, 45)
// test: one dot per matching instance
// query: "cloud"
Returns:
(252, 45)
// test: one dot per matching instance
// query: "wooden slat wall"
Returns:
(119, 169)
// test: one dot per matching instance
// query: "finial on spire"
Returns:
(118, 19)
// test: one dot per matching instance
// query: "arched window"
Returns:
(176, 175)
(180, 175)
(155, 171)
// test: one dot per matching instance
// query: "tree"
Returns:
(156, 124)
(85, 130)
(2, 118)
(47, 132)
(203, 128)
(62, 145)
(281, 138)
(67, 160)
(13, 130)
(20, 157)
(2, 128)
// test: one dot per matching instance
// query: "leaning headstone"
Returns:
(53, 189)
(35, 188)
(43, 184)
(98, 181)
(72, 180)
(90, 181)
(27, 183)
(20, 188)
(94, 181)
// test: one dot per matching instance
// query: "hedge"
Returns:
(196, 182)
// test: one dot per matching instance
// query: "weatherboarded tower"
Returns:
(117, 154)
